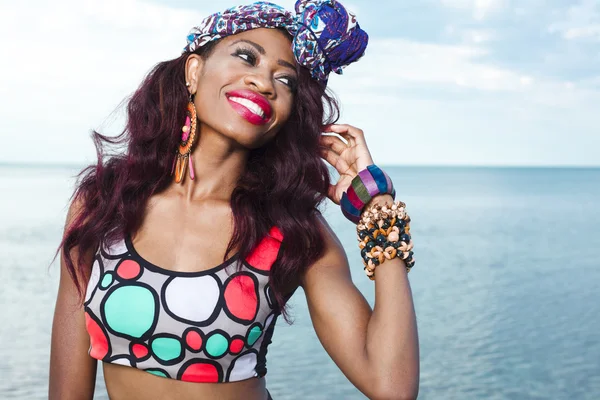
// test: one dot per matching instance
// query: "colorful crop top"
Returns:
(207, 326)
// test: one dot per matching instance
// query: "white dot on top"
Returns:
(192, 298)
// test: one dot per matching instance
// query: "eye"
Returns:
(289, 81)
(246, 54)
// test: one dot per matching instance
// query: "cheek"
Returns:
(210, 98)
(284, 111)
(285, 108)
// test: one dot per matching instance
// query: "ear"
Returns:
(193, 67)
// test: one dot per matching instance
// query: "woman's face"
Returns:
(245, 89)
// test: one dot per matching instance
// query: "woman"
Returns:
(224, 156)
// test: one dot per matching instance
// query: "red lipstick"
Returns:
(246, 112)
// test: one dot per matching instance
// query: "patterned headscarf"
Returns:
(327, 37)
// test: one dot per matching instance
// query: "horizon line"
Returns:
(548, 166)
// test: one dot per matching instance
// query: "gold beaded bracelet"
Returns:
(384, 233)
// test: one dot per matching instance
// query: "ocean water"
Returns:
(506, 285)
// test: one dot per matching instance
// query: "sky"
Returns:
(443, 82)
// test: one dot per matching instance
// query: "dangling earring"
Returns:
(188, 136)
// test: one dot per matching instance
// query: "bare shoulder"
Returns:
(331, 238)
(76, 210)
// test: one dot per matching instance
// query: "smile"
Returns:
(251, 106)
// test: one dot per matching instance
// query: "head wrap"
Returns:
(326, 37)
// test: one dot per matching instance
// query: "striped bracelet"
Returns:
(369, 183)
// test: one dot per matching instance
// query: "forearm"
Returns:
(392, 345)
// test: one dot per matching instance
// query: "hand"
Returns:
(348, 159)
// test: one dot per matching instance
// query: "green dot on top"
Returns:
(166, 348)
(216, 345)
(130, 310)
(107, 280)
(157, 372)
(253, 335)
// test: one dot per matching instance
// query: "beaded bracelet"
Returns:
(384, 233)
(367, 184)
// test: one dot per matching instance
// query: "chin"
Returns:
(257, 142)
(253, 138)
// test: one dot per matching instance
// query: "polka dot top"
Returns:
(208, 326)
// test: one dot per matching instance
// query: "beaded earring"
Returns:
(188, 136)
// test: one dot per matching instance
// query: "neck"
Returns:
(218, 164)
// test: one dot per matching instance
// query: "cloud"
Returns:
(447, 104)
(582, 21)
(479, 9)
(403, 61)
(458, 71)
(470, 36)
(593, 82)
(76, 60)
(592, 31)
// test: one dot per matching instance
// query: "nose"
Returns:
(262, 82)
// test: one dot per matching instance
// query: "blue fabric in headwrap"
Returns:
(327, 37)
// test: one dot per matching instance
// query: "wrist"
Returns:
(366, 186)
(384, 234)
(380, 199)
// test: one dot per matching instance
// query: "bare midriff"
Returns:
(127, 383)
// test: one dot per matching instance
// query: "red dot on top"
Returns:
(139, 350)
(98, 340)
(200, 372)
(194, 340)
(240, 297)
(265, 253)
(236, 346)
(128, 269)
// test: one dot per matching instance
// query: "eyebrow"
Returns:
(262, 51)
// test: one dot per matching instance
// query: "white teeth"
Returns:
(252, 106)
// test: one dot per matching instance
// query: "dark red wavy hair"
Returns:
(283, 184)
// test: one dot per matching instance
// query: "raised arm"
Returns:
(377, 349)
(72, 370)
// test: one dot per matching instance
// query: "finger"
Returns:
(337, 146)
(334, 143)
(327, 128)
(342, 131)
(336, 161)
(351, 133)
